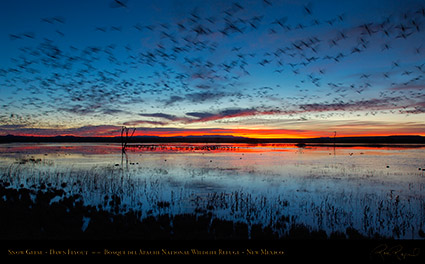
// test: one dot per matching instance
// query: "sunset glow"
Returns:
(255, 69)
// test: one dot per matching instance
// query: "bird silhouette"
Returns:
(212, 50)
(118, 4)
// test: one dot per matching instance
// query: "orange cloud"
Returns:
(310, 130)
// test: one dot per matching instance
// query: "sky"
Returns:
(253, 68)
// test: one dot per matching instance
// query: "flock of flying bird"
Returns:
(204, 60)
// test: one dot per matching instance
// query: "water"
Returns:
(375, 190)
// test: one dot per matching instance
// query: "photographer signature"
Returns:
(397, 251)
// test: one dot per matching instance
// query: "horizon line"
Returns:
(222, 137)
(207, 135)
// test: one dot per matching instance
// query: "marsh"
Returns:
(331, 191)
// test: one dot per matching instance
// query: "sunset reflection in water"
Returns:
(372, 189)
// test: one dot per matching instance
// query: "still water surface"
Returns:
(376, 190)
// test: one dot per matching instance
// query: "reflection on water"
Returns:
(374, 190)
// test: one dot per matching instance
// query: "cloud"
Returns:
(84, 131)
(90, 109)
(362, 105)
(313, 128)
(169, 117)
(408, 87)
(161, 115)
(196, 97)
(172, 100)
(196, 117)
(11, 127)
(204, 96)
(143, 122)
(77, 109)
(418, 108)
(112, 111)
(226, 113)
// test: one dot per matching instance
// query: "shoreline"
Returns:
(352, 141)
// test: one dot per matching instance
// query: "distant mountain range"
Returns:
(222, 139)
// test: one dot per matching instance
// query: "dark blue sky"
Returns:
(254, 68)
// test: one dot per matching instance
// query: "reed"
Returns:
(151, 196)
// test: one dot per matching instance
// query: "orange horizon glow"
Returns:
(246, 133)
(277, 135)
